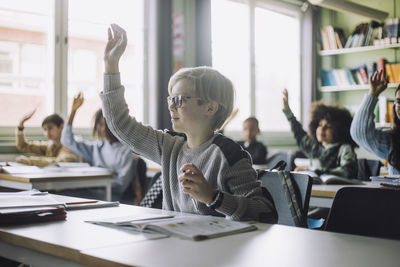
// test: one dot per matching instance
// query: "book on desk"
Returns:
(330, 179)
(186, 227)
(35, 206)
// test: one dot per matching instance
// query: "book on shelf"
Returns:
(330, 179)
(185, 227)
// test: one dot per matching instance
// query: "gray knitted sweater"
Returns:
(222, 161)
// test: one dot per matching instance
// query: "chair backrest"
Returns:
(154, 195)
(367, 168)
(302, 184)
(366, 211)
(275, 158)
(138, 185)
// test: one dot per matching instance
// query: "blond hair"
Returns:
(208, 84)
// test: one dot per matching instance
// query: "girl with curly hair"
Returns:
(328, 145)
(383, 143)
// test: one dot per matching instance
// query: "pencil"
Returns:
(81, 202)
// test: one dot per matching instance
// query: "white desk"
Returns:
(58, 181)
(74, 243)
(322, 195)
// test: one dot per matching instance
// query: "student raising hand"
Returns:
(76, 104)
(115, 47)
(25, 118)
(285, 99)
(378, 83)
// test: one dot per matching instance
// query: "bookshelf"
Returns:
(349, 94)
(351, 87)
(334, 52)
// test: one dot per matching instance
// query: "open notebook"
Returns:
(186, 227)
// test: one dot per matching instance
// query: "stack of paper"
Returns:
(28, 207)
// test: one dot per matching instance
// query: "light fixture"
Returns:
(346, 6)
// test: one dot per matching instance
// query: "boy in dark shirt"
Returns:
(257, 150)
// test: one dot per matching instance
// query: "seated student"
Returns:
(108, 153)
(204, 173)
(45, 153)
(329, 145)
(383, 143)
(257, 150)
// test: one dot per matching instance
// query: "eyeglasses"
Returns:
(397, 102)
(177, 101)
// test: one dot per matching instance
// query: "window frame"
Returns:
(59, 95)
(289, 8)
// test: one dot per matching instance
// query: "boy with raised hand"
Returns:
(203, 172)
(44, 153)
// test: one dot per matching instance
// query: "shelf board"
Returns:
(356, 49)
(351, 87)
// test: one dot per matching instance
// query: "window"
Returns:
(26, 58)
(44, 64)
(87, 33)
(264, 41)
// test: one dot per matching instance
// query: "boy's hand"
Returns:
(378, 83)
(25, 118)
(77, 102)
(194, 184)
(22, 159)
(285, 99)
(115, 47)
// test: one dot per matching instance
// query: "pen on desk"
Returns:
(81, 202)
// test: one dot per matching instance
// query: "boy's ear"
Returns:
(212, 108)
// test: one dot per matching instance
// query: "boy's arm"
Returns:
(141, 139)
(243, 196)
(28, 147)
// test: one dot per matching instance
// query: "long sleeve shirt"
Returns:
(116, 157)
(224, 164)
(45, 153)
(363, 131)
(337, 159)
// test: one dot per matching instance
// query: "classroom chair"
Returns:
(273, 159)
(154, 195)
(365, 211)
(302, 187)
(139, 178)
(367, 168)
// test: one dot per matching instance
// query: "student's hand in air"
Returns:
(78, 101)
(378, 83)
(22, 159)
(115, 47)
(25, 118)
(285, 99)
(194, 184)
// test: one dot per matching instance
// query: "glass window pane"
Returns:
(231, 52)
(87, 33)
(26, 60)
(277, 61)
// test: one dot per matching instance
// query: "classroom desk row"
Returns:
(59, 180)
(76, 243)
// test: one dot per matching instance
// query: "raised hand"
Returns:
(115, 47)
(194, 184)
(78, 101)
(25, 118)
(285, 99)
(378, 83)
